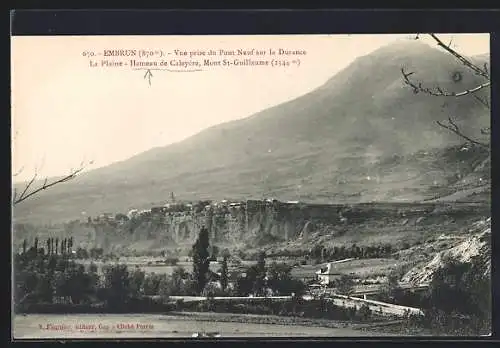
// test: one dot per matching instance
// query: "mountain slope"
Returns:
(361, 136)
(477, 245)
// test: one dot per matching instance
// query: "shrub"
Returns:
(364, 312)
(171, 261)
(212, 290)
(345, 285)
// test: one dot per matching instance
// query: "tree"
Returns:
(137, 282)
(178, 276)
(26, 283)
(44, 290)
(164, 287)
(281, 281)
(57, 245)
(225, 253)
(260, 274)
(70, 245)
(458, 290)
(483, 72)
(82, 253)
(224, 273)
(215, 252)
(93, 267)
(364, 312)
(201, 262)
(245, 283)
(391, 289)
(452, 285)
(211, 290)
(78, 283)
(151, 284)
(117, 285)
(96, 253)
(345, 285)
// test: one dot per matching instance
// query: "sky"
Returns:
(64, 112)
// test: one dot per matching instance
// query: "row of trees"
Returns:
(63, 246)
(321, 253)
(53, 246)
(54, 278)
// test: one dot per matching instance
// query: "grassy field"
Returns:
(168, 326)
(363, 268)
(149, 265)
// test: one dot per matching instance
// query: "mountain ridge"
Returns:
(361, 114)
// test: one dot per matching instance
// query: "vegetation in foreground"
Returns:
(458, 301)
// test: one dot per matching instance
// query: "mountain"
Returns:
(362, 136)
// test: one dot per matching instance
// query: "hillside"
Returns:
(478, 245)
(362, 136)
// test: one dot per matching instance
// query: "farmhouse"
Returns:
(328, 273)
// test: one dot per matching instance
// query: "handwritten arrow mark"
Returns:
(148, 75)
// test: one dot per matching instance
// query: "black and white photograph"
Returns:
(238, 186)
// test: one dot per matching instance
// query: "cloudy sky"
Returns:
(64, 112)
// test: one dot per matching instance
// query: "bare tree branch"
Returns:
(438, 91)
(482, 101)
(26, 188)
(461, 58)
(485, 67)
(46, 184)
(452, 126)
(18, 172)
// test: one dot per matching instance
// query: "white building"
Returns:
(328, 274)
(325, 274)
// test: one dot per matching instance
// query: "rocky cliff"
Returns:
(478, 245)
(260, 223)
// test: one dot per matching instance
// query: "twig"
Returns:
(26, 188)
(46, 184)
(482, 101)
(18, 172)
(454, 128)
(438, 91)
(485, 67)
(461, 58)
